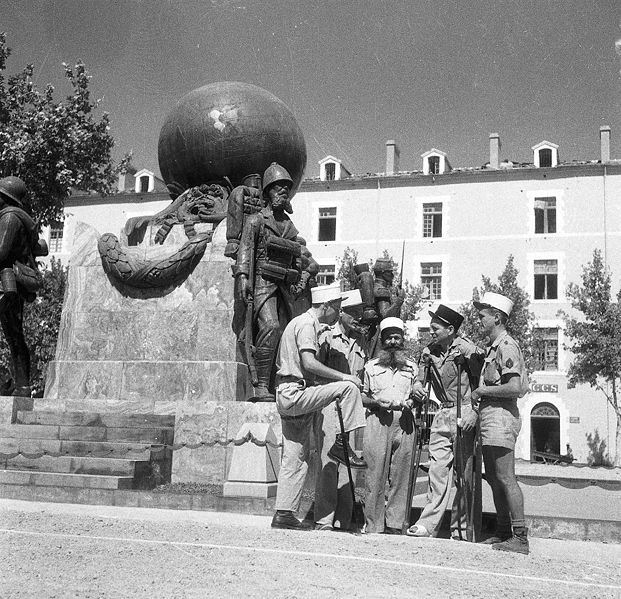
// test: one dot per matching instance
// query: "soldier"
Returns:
(503, 381)
(341, 348)
(445, 347)
(390, 435)
(269, 248)
(300, 399)
(18, 275)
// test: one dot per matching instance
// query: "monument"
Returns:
(159, 319)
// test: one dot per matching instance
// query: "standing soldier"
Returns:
(443, 351)
(390, 436)
(268, 264)
(503, 381)
(18, 276)
(300, 399)
(341, 348)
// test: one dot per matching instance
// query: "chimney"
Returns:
(494, 150)
(604, 142)
(392, 157)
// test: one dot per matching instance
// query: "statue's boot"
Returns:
(263, 360)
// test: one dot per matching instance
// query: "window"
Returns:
(326, 274)
(330, 171)
(545, 215)
(144, 184)
(434, 164)
(546, 279)
(545, 157)
(56, 238)
(545, 348)
(432, 220)
(327, 224)
(431, 277)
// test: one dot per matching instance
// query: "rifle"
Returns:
(248, 347)
(458, 461)
(415, 464)
(402, 260)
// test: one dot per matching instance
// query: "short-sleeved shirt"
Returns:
(383, 382)
(341, 352)
(503, 358)
(447, 369)
(301, 334)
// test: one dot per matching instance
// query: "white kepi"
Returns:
(495, 300)
(326, 293)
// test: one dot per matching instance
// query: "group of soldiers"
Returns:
(315, 348)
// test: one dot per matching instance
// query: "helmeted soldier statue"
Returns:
(381, 299)
(19, 277)
(269, 265)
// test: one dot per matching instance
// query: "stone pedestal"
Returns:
(254, 468)
(170, 352)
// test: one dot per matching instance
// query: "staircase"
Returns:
(83, 451)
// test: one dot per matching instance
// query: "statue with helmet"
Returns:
(19, 275)
(380, 297)
(268, 271)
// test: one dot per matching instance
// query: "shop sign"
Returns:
(543, 388)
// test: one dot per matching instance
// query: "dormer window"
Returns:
(435, 162)
(332, 169)
(145, 181)
(545, 154)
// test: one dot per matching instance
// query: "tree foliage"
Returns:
(521, 321)
(53, 146)
(346, 273)
(594, 336)
(41, 325)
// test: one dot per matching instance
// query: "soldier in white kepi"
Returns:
(503, 381)
(300, 399)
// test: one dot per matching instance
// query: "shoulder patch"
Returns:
(506, 342)
(509, 363)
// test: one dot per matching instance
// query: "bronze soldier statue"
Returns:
(269, 265)
(19, 277)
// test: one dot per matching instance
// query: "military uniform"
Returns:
(389, 440)
(443, 436)
(271, 284)
(500, 418)
(300, 400)
(333, 501)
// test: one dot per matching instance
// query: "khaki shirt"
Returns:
(302, 333)
(383, 382)
(445, 364)
(341, 352)
(503, 358)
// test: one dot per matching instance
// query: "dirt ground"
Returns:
(52, 551)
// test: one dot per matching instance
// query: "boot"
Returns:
(518, 543)
(341, 448)
(502, 533)
(263, 359)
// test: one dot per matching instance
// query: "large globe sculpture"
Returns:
(229, 129)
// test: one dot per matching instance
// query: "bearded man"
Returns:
(390, 435)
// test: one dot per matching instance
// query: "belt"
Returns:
(291, 379)
(449, 404)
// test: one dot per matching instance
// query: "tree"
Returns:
(595, 336)
(521, 321)
(41, 325)
(53, 146)
(346, 272)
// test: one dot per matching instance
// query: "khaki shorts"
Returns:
(500, 423)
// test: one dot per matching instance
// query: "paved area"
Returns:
(61, 550)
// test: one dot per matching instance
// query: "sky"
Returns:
(355, 73)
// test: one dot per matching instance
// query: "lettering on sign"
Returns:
(574, 420)
(543, 388)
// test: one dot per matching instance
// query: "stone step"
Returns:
(55, 479)
(74, 465)
(47, 417)
(87, 433)
(130, 451)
